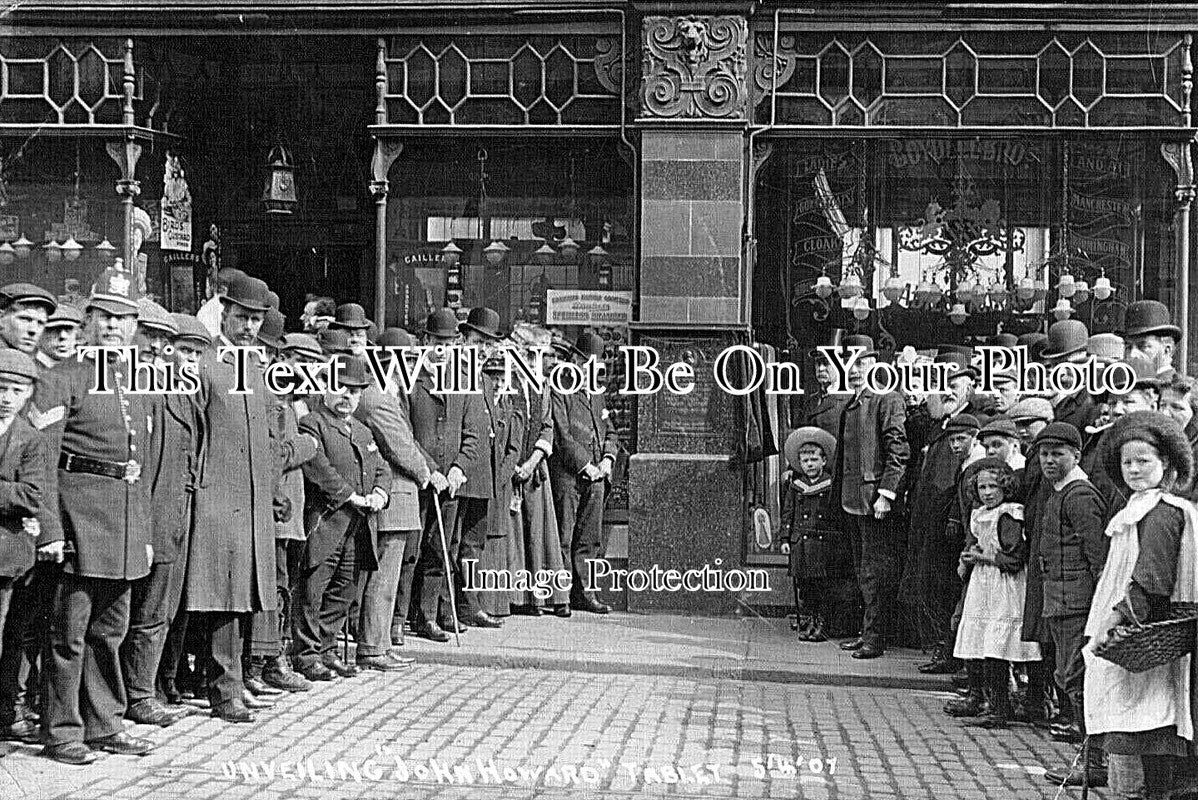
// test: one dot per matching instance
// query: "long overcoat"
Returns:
(231, 560)
(22, 492)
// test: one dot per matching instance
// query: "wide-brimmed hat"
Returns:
(1145, 317)
(16, 366)
(65, 316)
(191, 328)
(442, 323)
(350, 316)
(809, 434)
(1065, 338)
(302, 344)
(1032, 408)
(1158, 430)
(1059, 433)
(589, 344)
(998, 426)
(273, 326)
(248, 292)
(30, 294)
(482, 320)
(1106, 347)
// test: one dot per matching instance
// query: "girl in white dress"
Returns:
(993, 563)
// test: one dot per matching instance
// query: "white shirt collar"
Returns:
(1076, 474)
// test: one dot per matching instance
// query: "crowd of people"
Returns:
(163, 552)
(1021, 530)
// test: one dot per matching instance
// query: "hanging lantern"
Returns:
(450, 255)
(997, 293)
(823, 287)
(598, 254)
(935, 293)
(568, 247)
(544, 254)
(1081, 292)
(53, 251)
(850, 286)
(861, 308)
(1066, 286)
(7, 254)
(893, 288)
(923, 293)
(22, 247)
(1039, 290)
(71, 249)
(1103, 289)
(965, 291)
(278, 197)
(106, 250)
(1062, 310)
(958, 314)
(495, 252)
(1026, 290)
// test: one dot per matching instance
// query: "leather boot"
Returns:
(279, 674)
(816, 634)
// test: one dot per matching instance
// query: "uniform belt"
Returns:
(93, 466)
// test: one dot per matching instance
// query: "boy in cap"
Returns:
(1030, 415)
(24, 309)
(60, 337)
(1072, 549)
(22, 478)
(346, 485)
(809, 521)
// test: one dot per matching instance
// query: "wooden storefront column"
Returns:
(126, 154)
(385, 153)
(1180, 158)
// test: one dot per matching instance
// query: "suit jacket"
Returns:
(1072, 547)
(174, 442)
(451, 430)
(22, 492)
(347, 461)
(823, 411)
(873, 449)
(107, 520)
(583, 434)
(538, 433)
(387, 417)
(1078, 409)
(291, 477)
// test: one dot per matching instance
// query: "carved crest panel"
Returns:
(694, 67)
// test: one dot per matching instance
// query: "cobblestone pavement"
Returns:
(519, 733)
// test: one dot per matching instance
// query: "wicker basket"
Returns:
(1139, 648)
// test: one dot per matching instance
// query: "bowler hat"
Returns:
(1065, 338)
(998, 426)
(1145, 317)
(350, 370)
(1059, 433)
(589, 344)
(1032, 408)
(302, 344)
(248, 292)
(271, 332)
(15, 365)
(809, 434)
(861, 340)
(482, 320)
(1105, 347)
(191, 328)
(1005, 340)
(29, 293)
(960, 362)
(1158, 430)
(272, 299)
(960, 423)
(153, 316)
(395, 337)
(65, 316)
(115, 293)
(334, 341)
(350, 316)
(442, 323)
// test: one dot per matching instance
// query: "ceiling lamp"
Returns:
(450, 255)
(892, 290)
(1062, 310)
(935, 294)
(923, 293)
(1066, 286)
(22, 247)
(1103, 289)
(997, 293)
(1081, 292)
(106, 250)
(1039, 290)
(861, 308)
(598, 254)
(850, 286)
(7, 254)
(71, 249)
(958, 314)
(965, 291)
(53, 251)
(544, 254)
(496, 252)
(1026, 290)
(568, 247)
(823, 287)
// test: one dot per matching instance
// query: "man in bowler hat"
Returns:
(1150, 332)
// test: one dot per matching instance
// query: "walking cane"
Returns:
(453, 608)
(1086, 768)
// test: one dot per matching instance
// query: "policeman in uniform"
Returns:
(98, 530)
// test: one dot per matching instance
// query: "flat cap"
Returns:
(1059, 433)
(15, 365)
(1032, 408)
